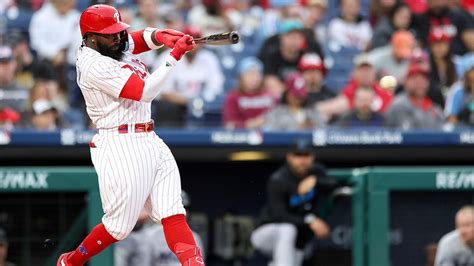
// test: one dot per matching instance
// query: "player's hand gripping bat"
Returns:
(225, 38)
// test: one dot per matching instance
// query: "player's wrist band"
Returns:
(148, 37)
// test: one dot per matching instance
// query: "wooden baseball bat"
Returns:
(225, 38)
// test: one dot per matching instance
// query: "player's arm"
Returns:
(153, 38)
(139, 90)
(277, 204)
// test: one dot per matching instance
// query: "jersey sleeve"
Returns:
(108, 76)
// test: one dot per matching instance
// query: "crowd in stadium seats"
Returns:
(301, 64)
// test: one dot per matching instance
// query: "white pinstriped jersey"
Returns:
(101, 80)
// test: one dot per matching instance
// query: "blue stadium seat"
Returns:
(21, 21)
(340, 68)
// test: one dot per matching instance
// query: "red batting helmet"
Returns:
(102, 19)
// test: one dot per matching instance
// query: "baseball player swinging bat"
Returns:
(225, 38)
(135, 168)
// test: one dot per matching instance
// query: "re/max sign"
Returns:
(23, 180)
(455, 180)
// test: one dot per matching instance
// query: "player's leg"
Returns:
(285, 245)
(277, 240)
(167, 207)
(125, 178)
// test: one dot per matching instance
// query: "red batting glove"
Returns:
(183, 45)
(168, 37)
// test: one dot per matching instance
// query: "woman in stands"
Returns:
(245, 106)
(459, 106)
(443, 71)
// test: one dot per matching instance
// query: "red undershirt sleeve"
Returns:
(133, 88)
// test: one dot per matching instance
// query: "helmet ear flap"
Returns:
(124, 41)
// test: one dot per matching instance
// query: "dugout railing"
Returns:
(370, 201)
(64, 179)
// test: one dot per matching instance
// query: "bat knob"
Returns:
(234, 37)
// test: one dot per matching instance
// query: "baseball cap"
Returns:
(9, 115)
(40, 106)
(362, 60)
(438, 35)
(311, 61)
(249, 63)
(3, 237)
(418, 56)
(403, 43)
(289, 25)
(297, 91)
(416, 70)
(6, 53)
(301, 146)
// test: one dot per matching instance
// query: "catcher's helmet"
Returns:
(102, 19)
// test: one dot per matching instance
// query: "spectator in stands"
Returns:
(413, 108)
(24, 58)
(315, 13)
(154, 238)
(210, 17)
(399, 18)
(44, 115)
(53, 31)
(440, 17)
(134, 250)
(443, 70)
(459, 106)
(246, 106)
(293, 114)
(393, 59)
(55, 36)
(282, 59)
(310, 77)
(363, 76)
(42, 112)
(421, 58)
(350, 29)
(288, 220)
(362, 115)
(4, 249)
(457, 247)
(198, 77)
(380, 9)
(12, 96)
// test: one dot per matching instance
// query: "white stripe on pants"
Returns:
(278, 240)
(135, 170)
